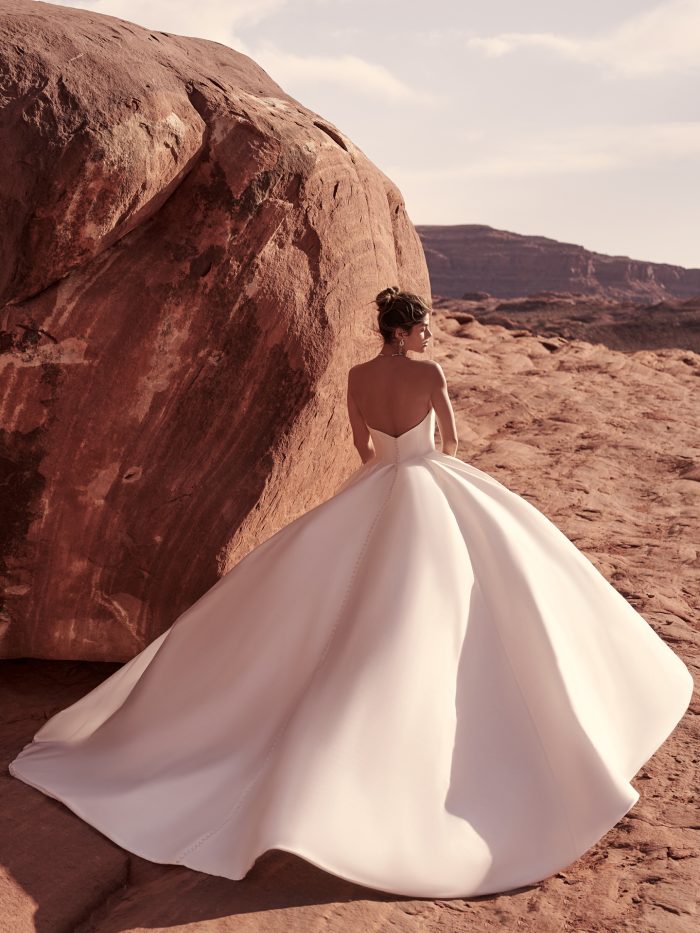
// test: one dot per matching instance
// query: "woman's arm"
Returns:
(362, 439)
(443, 410)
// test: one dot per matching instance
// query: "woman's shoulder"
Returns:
(373, 363)
(365, 376)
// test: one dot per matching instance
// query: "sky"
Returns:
(576, 121)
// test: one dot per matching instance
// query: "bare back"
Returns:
(393, 394)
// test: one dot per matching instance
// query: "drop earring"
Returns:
(400, 350)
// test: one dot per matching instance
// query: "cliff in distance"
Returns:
(468, 258)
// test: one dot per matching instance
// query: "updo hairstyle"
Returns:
(398, 309)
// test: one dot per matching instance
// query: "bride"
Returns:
(398, 393)
(420, 685)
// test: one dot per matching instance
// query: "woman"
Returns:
(397, 393)
(420, 685)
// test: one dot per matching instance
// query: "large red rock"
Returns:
(189, 258)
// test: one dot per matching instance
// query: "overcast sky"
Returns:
(577, 121)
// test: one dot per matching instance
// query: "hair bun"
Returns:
(399, 309)
(386, 296)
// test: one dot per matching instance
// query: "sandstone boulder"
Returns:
(189, 257)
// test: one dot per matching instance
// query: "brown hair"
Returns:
(398, 309)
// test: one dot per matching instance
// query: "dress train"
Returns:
(420, 685)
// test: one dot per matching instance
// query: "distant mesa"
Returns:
(475, 262)
(632, 313)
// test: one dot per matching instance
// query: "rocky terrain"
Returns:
(467, 258)
(606, 444)
(188, 258)
(620, 325)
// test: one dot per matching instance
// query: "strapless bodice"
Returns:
(420, 439)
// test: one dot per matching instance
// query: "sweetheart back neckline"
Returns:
(395, 437)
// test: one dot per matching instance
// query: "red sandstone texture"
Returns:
(189, 257)
(467, 258)
(606, 444)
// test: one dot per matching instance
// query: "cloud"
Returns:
(349, 71)
(204, 19)
(663, 39)
(212, 19)
(585, 149)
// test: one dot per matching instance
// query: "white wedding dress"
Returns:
(420, 685)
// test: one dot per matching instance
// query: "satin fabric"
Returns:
(420, 685)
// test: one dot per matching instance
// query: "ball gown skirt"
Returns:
(420, 685)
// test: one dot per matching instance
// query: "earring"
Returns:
(401, 345)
